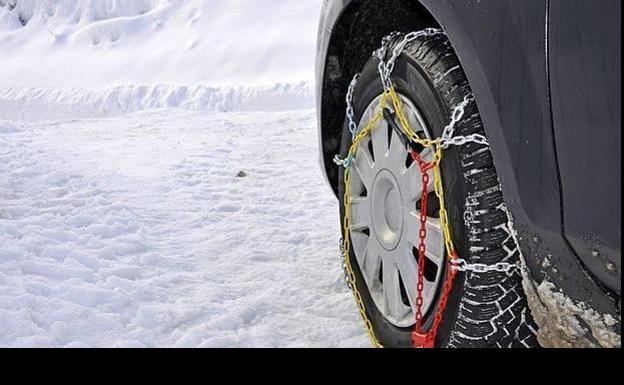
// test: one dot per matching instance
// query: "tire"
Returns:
(484, 310)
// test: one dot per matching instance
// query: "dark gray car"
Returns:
(542, 82)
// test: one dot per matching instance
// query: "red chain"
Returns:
(422, 247)
(421, 338)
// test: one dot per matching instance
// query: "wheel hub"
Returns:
(387, 213)
(386, 189)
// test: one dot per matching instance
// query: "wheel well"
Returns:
(356, 35)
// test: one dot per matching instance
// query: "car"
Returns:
(531, 202)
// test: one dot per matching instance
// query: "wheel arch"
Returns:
(353, 34)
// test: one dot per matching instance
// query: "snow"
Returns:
(33, 103)
(125, 220)
(72, 43)
(136, 231)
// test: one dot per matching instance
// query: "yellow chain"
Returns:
(436, 144)
(351, 279)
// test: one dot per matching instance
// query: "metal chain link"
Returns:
(346, 162)
(459, 141)
(352, 125)
(448, 136)
(386, 68)
(463, 266)
(345, 269)
(456, 117)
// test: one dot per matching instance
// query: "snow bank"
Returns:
(86, 43)
(29, 103)
(85, 58)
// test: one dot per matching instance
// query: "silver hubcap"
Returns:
(386, 190)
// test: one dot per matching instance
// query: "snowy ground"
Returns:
(137, 231)
(123, 221)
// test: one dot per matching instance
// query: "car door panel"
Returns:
(585, 66)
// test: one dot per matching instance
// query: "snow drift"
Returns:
(92, 58)
(29, 103)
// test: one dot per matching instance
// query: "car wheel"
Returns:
(484, 309)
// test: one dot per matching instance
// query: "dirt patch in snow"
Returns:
(564, 323)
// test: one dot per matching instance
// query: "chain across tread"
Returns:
(493, 310)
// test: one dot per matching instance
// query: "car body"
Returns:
(546, 75)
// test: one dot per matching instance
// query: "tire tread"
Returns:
(493, 311)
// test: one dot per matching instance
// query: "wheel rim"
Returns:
(386, 191)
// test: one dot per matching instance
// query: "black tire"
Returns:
(485, 310)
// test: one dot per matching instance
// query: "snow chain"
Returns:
(420, 338)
